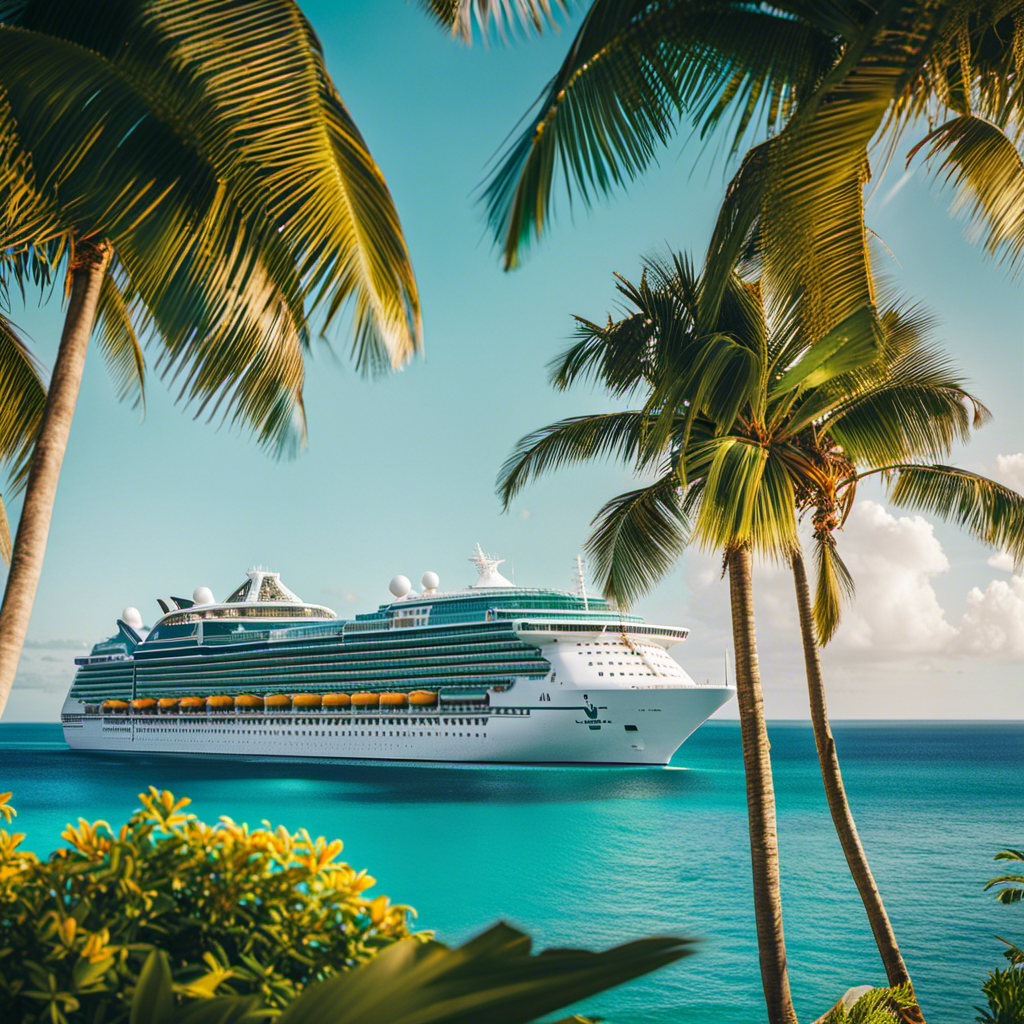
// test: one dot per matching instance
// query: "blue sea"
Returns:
(596, 856)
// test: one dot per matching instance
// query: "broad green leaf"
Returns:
(153, 1001)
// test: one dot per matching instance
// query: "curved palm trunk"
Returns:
(764, 850)
(895, 969)
(87, 270)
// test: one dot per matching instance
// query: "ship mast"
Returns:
(581, 583)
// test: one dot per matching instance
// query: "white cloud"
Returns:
(896, 562)
(993, 624)
(1002, 561)
(1009, 470)
(893, 561)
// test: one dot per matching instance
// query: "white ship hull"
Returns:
(535, 722)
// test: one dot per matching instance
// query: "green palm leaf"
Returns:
(119, 343)
(1013, 892)
(458, 16)
(637, 538)
(22, 398)
(228, 247)
(983, 164)
(989, 511)
(492, 977)
(577, 439)
(633, 69)
(833, 586)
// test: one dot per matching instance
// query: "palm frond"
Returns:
(1013, 884)
(853, 343)
(746, 496)
(834, 584)
(633, 70)
(977, 158)
(458, 16)
(989, 511)
(913, 403)
(637, 538)
(115, 333)
(263, 209)
(22, 399)
(618, 436)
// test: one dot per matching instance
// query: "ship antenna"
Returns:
(725, 658)
(581, 583)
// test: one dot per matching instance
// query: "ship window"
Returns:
(239, 594)
(271, 590)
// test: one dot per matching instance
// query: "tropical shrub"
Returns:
(878, 1006)
(1004, 990)
(172, 921)
(252, 912)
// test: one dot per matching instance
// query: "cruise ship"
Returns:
(492, 673)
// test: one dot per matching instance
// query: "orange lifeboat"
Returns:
(306, 700)
(337, 700)
(192, 705)
(278, 701)
(167, 704)
(249, 702)
(394, 700)
(365, 700)
(220, 702)
(144, 704)
(422, 698)
(115, 705)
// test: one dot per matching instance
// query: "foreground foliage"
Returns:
(172, 921)
(258, 912)
(1004, 990)
(878, 1006)
(492, 978)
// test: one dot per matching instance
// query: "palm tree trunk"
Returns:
(87, 268)
(757, 765)
(895, 969)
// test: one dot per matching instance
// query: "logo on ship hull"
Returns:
(591, 711)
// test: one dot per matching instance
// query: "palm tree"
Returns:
(22, 395)
(746, 426)
(191, 173)
(816, 87)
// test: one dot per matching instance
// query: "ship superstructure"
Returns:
(489, 673)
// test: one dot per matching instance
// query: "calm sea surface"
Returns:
(593, 857)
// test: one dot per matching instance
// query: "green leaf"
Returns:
(458, 16)
(850, 345)
(983, 165)
(637, 538)
(989, 511)
(492, 978)
(616, 436)
(153, 1001)
(632, 71)
(834, 584)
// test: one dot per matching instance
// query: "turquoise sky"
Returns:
(399, 474)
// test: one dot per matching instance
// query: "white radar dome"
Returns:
(132, 617)
(203, 595)
(430, 581)
(400, 586)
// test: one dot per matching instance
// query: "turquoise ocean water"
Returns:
(597, 856)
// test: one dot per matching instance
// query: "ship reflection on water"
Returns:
(390, 782)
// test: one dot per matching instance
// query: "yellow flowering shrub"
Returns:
(236, 911)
